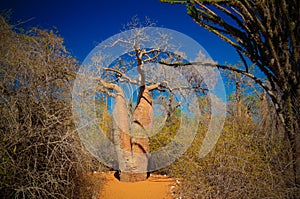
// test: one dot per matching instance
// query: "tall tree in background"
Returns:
(267, 32)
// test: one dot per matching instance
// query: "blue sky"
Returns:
(84, 24)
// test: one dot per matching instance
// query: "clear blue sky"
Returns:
(84, 24)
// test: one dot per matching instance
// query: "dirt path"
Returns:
(155, 187)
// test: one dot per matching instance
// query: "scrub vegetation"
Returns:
(256, 156)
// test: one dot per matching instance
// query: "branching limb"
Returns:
(122, 75)
(110, 86)
(153, 86)
(225, 67)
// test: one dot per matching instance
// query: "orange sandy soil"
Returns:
(155, 187)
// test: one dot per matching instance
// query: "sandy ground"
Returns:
(155, 187)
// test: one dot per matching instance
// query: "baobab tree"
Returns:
(137, 69)
(267, 33)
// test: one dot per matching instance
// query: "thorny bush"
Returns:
(40, 152)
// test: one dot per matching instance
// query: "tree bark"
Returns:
(141, 126)
(291, 104)
(122, 133)
(133, 148)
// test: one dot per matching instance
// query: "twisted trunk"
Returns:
(122, 132)
(141, 126)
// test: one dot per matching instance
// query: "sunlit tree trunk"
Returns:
(142, 123)
(138, 141)
(121, 131)
(133, 144)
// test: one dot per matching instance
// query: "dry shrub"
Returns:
(90, 185)
(41, 155)
(250, 160)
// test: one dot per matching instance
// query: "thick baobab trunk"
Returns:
(141, 126)
(122, 132)
(132, 145)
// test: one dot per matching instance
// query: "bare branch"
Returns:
(122, 75)
(225, 67)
